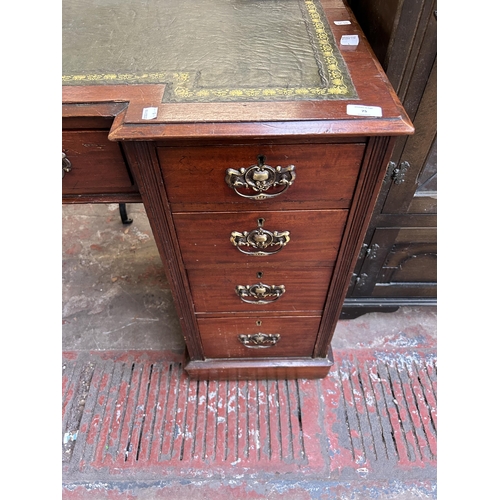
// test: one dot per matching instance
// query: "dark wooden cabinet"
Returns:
(397, 264)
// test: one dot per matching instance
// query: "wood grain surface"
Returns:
(214, 290)
(315, 237)
(219, 336)
(325, 175)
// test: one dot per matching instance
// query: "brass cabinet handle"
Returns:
(259, 340)
(260, 239)
(260, 178)
(259, 293)
(66, 164)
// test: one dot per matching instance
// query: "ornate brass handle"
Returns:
(66, 164)
(260, 239)
(259, 293)
(259, 340)
(260, 178)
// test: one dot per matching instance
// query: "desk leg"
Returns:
(123, 214)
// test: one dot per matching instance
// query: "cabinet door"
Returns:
(414, 173)
(401, 262)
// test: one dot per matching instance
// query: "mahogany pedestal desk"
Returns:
(257, 135)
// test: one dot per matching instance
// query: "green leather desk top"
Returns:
(206, 50)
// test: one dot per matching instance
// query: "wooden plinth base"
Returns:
(259, 369)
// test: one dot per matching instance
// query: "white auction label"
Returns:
(341, 23)
(358, 110)
(149, 113)
(349, 40)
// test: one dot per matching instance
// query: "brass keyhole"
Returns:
(260, 222)
(258, 322)
(260, 274)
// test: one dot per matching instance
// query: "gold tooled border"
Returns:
(336, 70)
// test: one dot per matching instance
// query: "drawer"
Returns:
(313, 238)
(251, 290)
(221, 336)
(97, 164)
(325, 175)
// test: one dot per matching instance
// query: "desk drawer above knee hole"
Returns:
(283, 176)
(94, 164)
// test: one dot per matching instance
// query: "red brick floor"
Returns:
(135, 418)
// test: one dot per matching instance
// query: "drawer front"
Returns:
(221, 336)
(97, 164)
(325, 176)
(252, 290)
(313, 238)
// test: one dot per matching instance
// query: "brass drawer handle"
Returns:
(260, 178)
(66, 164)
(259, 239)
(259, 293)
(259, 340)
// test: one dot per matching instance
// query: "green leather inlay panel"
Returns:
(206, 50)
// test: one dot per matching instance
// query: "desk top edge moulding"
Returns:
(257, 134)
